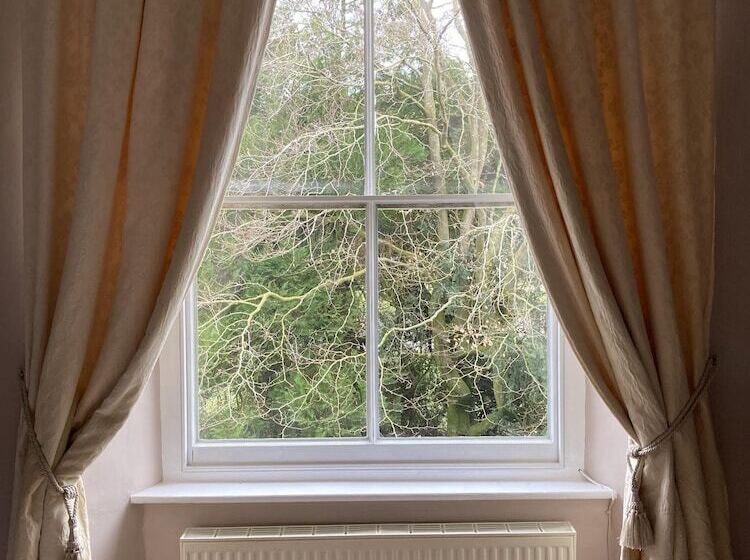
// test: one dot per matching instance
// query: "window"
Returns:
(368, 297)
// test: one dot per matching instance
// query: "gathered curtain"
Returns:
(132, 113)
(604, 114)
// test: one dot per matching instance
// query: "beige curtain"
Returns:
(132, 112)
(604, 114)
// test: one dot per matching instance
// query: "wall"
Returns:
(131, 461)
(731, 326)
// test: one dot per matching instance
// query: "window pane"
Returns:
(281, 325)
(433, 135)
(305, 133)
(463, 325)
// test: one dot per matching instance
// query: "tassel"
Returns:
(73, 549)
(69, 493)
(73, 555)
(636, 533)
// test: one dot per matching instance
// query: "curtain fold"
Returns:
(604, 114)
(132, 113)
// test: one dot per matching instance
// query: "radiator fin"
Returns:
(504, 553)
(426, 541)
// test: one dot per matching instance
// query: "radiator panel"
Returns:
(434, 541)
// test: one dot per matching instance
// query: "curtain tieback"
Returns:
(637, 532)
(69, 492)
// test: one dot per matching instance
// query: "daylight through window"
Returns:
(368, 276)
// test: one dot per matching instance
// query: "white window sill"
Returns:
(348, 491)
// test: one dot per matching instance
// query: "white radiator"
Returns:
(433, 541)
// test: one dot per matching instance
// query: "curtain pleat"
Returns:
(604, 115)
(132, 114)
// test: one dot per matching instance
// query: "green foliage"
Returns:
(281, 304)
(464, 321)
(265, 315)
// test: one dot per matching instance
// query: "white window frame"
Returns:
(185, 457)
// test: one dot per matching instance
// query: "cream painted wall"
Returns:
(132, 460)
(121, 531)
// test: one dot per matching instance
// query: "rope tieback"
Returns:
(637, 532)
(69, 492)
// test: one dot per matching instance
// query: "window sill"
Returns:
(348, 491)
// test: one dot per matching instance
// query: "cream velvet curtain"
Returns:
(132, 111)
(604, 114)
